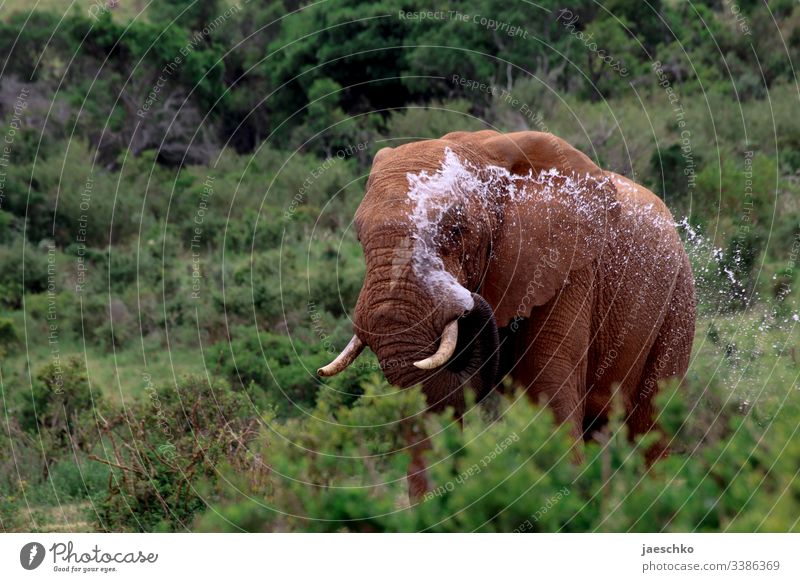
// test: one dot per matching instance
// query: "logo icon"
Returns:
(31, 555)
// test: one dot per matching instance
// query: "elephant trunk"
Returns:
(419, 341)
(477, 354)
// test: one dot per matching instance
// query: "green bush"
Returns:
(668, 178)
(60, 400)
(22, 272)
(276, 371)
(79, 478)
(21, 469)
(9, 337)
(337, 465)
(8, 226)
(95, 181)
(518, 473)
(161, 449)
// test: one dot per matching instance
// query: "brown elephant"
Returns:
(492, 255)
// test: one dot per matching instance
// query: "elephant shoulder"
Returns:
(647, 226)
(638, 201)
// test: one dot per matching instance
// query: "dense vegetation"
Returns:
(176, 258)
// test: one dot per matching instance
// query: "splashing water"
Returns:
(709, 263)
(433, 194)
(741, 329)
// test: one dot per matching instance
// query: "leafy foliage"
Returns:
(178, 197)
(158, 452)
(518, 474)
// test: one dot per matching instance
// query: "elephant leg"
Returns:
(555, 363)
(668, 358)
(563, 398)
(418, 443)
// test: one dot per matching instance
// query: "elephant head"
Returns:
(463, 235)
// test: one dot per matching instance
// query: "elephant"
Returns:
(492, 256)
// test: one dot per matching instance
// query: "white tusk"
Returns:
(446, 348)
(347, 357)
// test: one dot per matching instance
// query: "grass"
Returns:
(741, 361)
(63, 518)
(118, 377)
(752, 354)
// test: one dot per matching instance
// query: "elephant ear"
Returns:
(556, 218)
